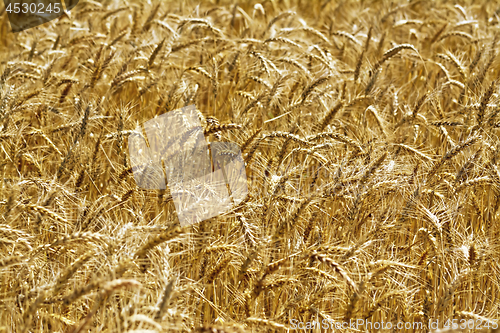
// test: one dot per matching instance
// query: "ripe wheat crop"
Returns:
(369, 130)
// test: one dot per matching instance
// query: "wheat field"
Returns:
(369, 130)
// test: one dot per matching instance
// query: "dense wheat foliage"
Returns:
(370, 135)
